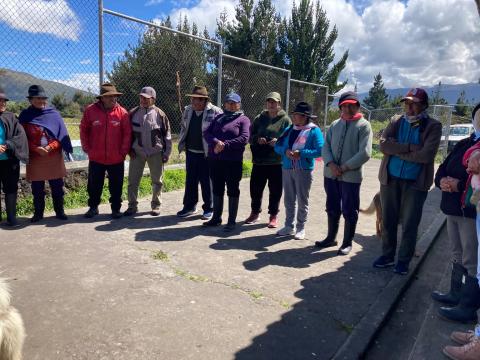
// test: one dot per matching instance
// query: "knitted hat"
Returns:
(36, 91)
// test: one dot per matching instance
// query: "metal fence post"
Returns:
(220, 75)
(100, 43)
(287, 100)
(325, 117)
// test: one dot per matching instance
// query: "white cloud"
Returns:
(82, 81)
(46, 60)
(414, 43)
(153, 2)
(86, 61)
(53, 17)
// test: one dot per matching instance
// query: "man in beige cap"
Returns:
(196, 118)
(152, 144)
(267, 165)
(105, 134)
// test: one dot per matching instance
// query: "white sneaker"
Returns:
(300, 235)
(287, 230)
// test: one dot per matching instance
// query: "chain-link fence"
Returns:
(253, 81)
(314, 94)
(139, 53)
(379, 119)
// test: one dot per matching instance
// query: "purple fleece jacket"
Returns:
(231, 129)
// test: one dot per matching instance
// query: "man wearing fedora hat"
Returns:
(105, 134)
(348, 146)
(13, 149)
(152, 144)
(196, 118)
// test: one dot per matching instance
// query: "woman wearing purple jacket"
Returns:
(227, 136)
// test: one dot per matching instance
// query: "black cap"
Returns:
(304, 108)
(348, 97)
(36, 91)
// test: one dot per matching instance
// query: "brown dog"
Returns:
(375, 206)
(12, 332)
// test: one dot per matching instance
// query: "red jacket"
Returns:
(106, 135)
(466, 157)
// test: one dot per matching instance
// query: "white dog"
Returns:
(12, 332)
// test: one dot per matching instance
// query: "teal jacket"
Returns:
(311, 151)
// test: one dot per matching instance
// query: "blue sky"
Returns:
(412, 43)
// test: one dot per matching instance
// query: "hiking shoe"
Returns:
(207, 215)
(93, 211)
(273, 222)
(253, 218)
(462, 338)
(287, 230)
(383, 262)
(300, 234)
(116, 214)
(401, 268)
(468, 351)
(186, 212)
(130, 211)
(155, 212)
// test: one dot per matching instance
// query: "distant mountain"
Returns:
(16, 85)
(448, 92)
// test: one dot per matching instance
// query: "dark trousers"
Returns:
(261, 174)
(224, 172)
(197, 171)
(342, 198)
(9, 175)
(401, 201)
(96, 178)
(56, 187)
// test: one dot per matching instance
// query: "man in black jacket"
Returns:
(13, 149)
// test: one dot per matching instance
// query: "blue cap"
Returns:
(233, 97)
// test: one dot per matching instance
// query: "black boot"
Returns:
(452, 298)
(39, 208)
(466, 310)
(11, 209)
(348, 234)
(232, 213)
(333, 222)
(216, 219)
(58, 207)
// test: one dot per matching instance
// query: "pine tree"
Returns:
(437, 98)
(377, 95)
(461, 107)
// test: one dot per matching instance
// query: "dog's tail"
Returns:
(371, 208)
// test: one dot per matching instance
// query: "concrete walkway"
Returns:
(166, 288)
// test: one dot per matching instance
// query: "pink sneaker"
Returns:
(273, 222)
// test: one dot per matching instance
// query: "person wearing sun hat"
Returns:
(267, 165)
(106, 137)
(299, 145)
(13, 149)
(196, 118)
(348, 146)
(409, 145)
(48, 140)
(227, 137)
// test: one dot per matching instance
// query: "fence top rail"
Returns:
(308, 83)
(255, 63)
(148, 23)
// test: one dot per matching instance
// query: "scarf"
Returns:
(229, 116)
(416, 118)
(51, 121)
(355, 117)
(301, 140)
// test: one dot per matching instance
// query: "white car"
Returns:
(458, 132)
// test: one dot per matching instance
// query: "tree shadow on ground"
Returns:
(330, 304)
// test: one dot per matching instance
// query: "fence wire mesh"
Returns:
(53, 44)
(315, 95)
(252, 81)
(138, 55)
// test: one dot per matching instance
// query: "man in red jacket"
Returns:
(105, 133)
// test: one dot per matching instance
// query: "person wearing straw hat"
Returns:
(267, 164)
(299, 146)
(348, 146)
(196, 118)
(152, 144)
(105, 134)
(48, 139)
(13, 149)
